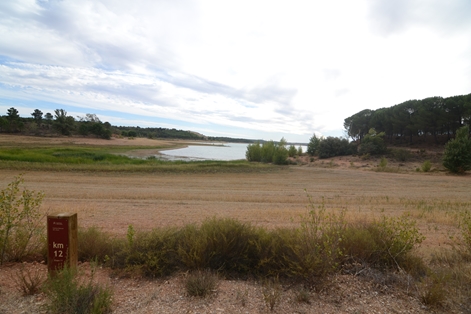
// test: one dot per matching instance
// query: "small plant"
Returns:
(383, 163)
(242, 296)
(130, 235)
(29, 282)
(303, 296)
(271, 291)
(67, 292)
(401, 154)
(21, 228)
(426, 166)
(201, 283)
(433, 291)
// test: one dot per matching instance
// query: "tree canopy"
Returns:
(434, 117)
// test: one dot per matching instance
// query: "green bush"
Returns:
(426, 166)
(153, 253)
(401, 154)
(372, 144)
(21, 223)
(225, 245)
(383, 163)
(334, 146)
(319, 246)
(292, 151)
(270, 151)
(94, 244)
(457, 155)
(67, 292)
(254, 152)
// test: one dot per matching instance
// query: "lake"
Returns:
(216, 151)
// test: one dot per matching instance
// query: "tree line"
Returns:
(61, 123)
(413, 121)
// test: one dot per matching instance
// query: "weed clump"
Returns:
(201, 283)
(67, 292)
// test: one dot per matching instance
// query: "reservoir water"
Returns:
(216, 151)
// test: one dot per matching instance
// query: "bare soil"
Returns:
(113, 201)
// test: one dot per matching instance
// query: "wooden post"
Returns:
(61, 241)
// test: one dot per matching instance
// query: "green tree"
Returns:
(457, 155)
(48, 117)
(300, 151)
(254, 152)
(280, 155)
(63, 123)
(267, 151)
(373, 143)
(37, 116)
(313, 145)
(292, 151)
(13, 118)
(334, 146)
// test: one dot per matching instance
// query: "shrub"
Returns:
(300, 151)
(386, 243)
(254, 152)
(457, 155)
(426, 166)
(312, 250)
(225, 245)
(395, 238)
(271, 292)
(29, 282)
(372, 144)
(154, 253)
(313, 145)
(268, 152)
(68, 293)
(21, 227)
(94, 244)
(334, 146)
(201, 283)
(383, 163)
(401, 154)
(292, 151)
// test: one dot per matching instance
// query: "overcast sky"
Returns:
(252, 69)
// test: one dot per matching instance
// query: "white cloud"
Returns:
(266, 66)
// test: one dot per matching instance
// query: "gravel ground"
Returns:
(345, 293)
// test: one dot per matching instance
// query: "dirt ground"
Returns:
(113, 201)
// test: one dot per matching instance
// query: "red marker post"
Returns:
(61, 241)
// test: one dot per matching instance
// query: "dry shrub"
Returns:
(271, 292)
(94, 244)
(68, 292)
(201, 283)
(28, 281)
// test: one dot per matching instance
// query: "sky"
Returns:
(245, 69)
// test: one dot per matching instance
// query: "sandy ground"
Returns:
(113, 201)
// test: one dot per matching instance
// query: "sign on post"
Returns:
(61, 241)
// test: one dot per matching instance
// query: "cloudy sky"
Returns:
(253, 69)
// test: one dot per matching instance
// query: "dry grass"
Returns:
(115, 200)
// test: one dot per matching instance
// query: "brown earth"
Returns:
(113, 201)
